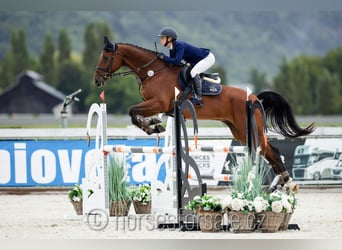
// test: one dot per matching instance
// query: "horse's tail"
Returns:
(280, 117)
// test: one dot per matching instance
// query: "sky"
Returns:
(200, 5)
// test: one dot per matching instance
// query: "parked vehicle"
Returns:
(323, 169)
(337, 171)
(304, 157)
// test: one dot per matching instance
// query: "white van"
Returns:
(304, 157)
(337, 171)
(323, 169)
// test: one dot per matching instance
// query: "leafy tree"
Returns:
(71, 77)
(120, 94)
(259, 80)
(93, 39)
(46, 58)
(64, 46)
(16, 59)
(7, 71)
(329, 99)
(294, 81)
(332, 61)
(19, 51)
(309, 86)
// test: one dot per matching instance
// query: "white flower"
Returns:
(76, 198)
(260, 204)
(237, 204)
(286, 204)
(277, 206)
(197, 197)
(226, 202)
(276, 194)
(240, 195)
(250, 205)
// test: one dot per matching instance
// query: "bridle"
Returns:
(107, 69)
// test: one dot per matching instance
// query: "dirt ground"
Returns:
(49, 215)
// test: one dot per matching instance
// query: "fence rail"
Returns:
(135, 133)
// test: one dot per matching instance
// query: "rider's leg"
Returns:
(198, 88)
(200, 67)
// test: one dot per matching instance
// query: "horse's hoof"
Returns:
(158, 129)
(154, 121)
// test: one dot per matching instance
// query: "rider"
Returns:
(200, 59)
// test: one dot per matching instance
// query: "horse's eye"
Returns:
(105, 58)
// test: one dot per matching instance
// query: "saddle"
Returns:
(210, 83)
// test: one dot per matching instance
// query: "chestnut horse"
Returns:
(157, 85)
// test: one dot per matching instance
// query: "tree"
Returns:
(16, 59)
(46, 58)
(71, 77)
(329, 99)
(93, 40)
(121, 93)
(19, 51)
(309, 85)
(332, 61)
(259, 80)
(64, 46)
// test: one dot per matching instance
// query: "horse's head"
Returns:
(108, 63)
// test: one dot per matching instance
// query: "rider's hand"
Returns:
(160, 55)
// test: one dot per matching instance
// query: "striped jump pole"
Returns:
(172, 150)
(217, 177)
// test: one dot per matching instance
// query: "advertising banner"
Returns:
(64, 162)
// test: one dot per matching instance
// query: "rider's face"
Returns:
(163, 40)
(166, 41)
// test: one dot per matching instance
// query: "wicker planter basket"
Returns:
(141, 208)
(285, 223)
(209, 221)
(78, 207)
(241, 222)
(271, 221)
(119, 208)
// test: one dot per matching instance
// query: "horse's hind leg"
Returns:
(273, 156)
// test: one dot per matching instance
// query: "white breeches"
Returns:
(203, 65)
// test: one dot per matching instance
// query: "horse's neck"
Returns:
(135, 57)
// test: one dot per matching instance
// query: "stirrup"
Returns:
(199, 103)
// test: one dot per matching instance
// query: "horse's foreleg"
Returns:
(142, 110)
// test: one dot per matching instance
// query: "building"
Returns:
(30, 94)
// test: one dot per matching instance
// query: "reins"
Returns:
(137, 69)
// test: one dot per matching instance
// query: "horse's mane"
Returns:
(138, 47)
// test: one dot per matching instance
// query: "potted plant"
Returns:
(279, 207)
(209, 211)
(76, 196)
(118, 188)
(243, 203)
(141, 198)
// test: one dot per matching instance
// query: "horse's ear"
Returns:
(108, 45)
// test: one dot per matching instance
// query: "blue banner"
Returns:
(62, 162)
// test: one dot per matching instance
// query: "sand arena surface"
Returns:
(50, 215)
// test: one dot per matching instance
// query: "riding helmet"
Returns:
(168, 32)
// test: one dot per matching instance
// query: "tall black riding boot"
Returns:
(198, 87)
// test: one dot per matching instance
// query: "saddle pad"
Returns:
(208, 88)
